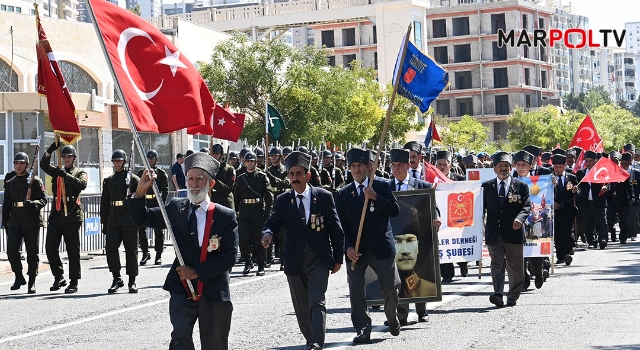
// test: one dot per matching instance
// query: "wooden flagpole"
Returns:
(63, 188)
(385, 129)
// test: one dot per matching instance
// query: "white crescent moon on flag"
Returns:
(125, 36)
(591, 132)
(459, 200)
(595, 176)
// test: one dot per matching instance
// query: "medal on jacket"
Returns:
(321, 222)
(569, 186)
(371, 206)
(313, 221)
(214, 243)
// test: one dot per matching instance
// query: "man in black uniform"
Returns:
(63, 224)
(21, 216)
(277, 174)
(117, 224)
(331, 177)
(233, 160)
(285, 152)
(253, 201)
(222, 191)
(163, 185)
(619, 198)
(592, 205)
(259, 158)
(242, 169)
(565, 209)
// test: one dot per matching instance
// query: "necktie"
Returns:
(193, 220)
(400, 185)
(502, 194)
(303, 215)
(361, 193)
(414, 173)
(559, 181)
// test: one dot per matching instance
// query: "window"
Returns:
(77, 79)
(465, 107)
(18, 9)
(525, 22)
(375, 35)
(460, 26)
(500, 78)
(297, 33)
(349, 37)
(500, 130)
(8, 78)
(525, 51)
(298, 43)
(543, 54)
(3, 7)
(497, 23)
(442, 107)
(332, 61)
(502, 104)
(463, 80)
(462, 53)
(417, 34)
(543, 79)
(541, 23)
(327, 38)
(347, 59)
(10, 8)
(439, 28)
(441, 55)
(375, 60)
(121, 139)
(499, 53)
(527, 76)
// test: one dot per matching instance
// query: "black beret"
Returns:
(443, 155)
(470, 159)
(534, 150)
(524, 156)
(626, 157)
(629, 147)
(615, 154)
(297, 159)
(559, 159)
(202, 161)
(559, 151)
(546, 156)
(570, 152)
(413, 146)
(501, 157)
(399, 155)
(590, 154)
(358, 155)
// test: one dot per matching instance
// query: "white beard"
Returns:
(200, 196)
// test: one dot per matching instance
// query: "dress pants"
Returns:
(448, 270)
(214, 320)
(308, 296)
(128, 236)
(614, 208)
(562, 224)
(633, 221)
(595, 219)
(158, 240)
(71, 234)
(515, 267)
(250, 234)
(387, 273)
(403, 310)
(14, 240)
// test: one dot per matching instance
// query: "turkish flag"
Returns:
(162, 88)
(62, 112)
(606, 171)
(434, 175)
(586, 136)
(223, 124)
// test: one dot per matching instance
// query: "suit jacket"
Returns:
(566, 198)
(586, 187)
(500, 218)
(621, 193)
(327, 242)
(214, 271)
(413, 184)
(376, 233)
(456, 177)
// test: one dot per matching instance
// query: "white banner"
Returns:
(460, 235)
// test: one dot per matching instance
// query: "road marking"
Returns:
(116, 312)
(347, 342)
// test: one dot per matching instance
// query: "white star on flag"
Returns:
(221, 122)
(172, 60)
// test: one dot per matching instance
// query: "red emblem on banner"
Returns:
(473, 175)
(409, 75)
(460, 209)
(545, 248)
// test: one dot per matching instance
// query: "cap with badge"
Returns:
(626, 157)
(629, 147)
(202, 161)
(297, 158)
(590, 154)
(615, 155)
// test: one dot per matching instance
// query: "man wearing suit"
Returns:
(592, 204)
(376, 249)
(416, 169)
(535, 169)
(506, 205)
(313, 248)
(207, 237)
(565, 209)
(619, 199)
(634, 177)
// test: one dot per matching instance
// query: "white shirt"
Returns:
(201, 216)
(365, 183)
(306, 201)
(590, 196)
(507, 183)
(404, 186)
(418, 171)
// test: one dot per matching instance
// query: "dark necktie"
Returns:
(361, 193)
(414, 173)
(303, 215)
(559, 181)
(502, 194)
(193, 220)
(400, 185)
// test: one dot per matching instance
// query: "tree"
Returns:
(574, 102)
(622, 103)
(468, 133)
(136, 10)
(545, 127)
(315, 99)
(612, 122)
(636, 108)
(584, 103)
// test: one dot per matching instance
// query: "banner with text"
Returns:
(539, 224)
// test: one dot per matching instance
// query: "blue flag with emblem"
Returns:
(421, 79)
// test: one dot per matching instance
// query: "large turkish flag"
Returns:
(606, 171)
(162, 88)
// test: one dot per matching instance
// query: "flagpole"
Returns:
(385, 129)
(63, 188)
(138, 141)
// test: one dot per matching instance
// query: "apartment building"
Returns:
(632, 38)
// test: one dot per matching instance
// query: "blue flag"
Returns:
(421, 80)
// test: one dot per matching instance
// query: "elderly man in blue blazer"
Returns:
(207, 236)
(506, 206)
(377, 247)
(313, 247)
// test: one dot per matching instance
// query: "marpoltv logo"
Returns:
(581, 38)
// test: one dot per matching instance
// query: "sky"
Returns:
(606, 14)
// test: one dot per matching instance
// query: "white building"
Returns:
(632, 38)
(148, 8)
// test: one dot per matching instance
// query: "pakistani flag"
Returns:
(274, 122)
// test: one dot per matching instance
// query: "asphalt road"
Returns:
(592, 304)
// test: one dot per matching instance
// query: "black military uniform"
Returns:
(331, 176)
(222, 191)
(117, 224)
(241, 169)
(22, 218)
(152, 202)
(61, 225)
(254, 202)
(277, 174)
(619, 199)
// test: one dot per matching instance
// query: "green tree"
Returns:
(622, 103)
(596, 98)
(575, 102)
(545, 127)
(315, 99)
(136, 10)
(612, 123)
(636, 108)
(468, 133)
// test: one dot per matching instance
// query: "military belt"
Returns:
(150, 196)
(251, 200)
(18, 204)
(117, 203)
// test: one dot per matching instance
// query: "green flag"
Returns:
(274, 122)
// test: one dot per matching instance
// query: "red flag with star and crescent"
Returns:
(62, 112)
(223, 124)
(587, 138)
(163, 90)
(606, 171)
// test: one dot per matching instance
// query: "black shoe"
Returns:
(31, 287)
(447, 279)
(158, 260)
(545, 274)
(403, 322)
(511, 302)
(560, 261)
(583, 239)
(247, 269)
(464, 270)
(623, 242)
(526, 285)
(539, 282)
(423, 318)
(394, 328)
(568, 259)
(19, 282)
(133, 288)
(58, 283)
(72, 288)
(145, 257)
(281, 267)
(603, 243)
(260, 272)
(496, 299)
(363, 336)
(117, 284)
(315, 346)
